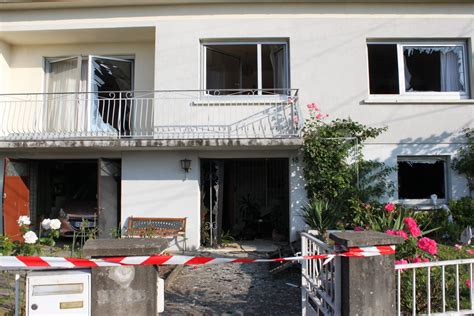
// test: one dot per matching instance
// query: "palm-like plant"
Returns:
(320, 215)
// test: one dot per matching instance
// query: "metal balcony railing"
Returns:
(179, 114)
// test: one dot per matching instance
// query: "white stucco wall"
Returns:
(154, 185)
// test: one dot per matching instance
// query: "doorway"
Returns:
(244, 199)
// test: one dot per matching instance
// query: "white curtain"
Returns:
(450, 76)
(277, 59)
(63, 80)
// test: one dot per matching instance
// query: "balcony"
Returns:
(164, 115)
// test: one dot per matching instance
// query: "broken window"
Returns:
(89, 93)
(419, 178)
(408, 69)
(230, 67)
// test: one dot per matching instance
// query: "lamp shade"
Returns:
(186, 164)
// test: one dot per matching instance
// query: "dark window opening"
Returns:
(422, 70)
(383, 69)
(231, 67)
(235, 67)
(420, 179)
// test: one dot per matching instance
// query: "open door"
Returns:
(110, 83)
(109, 177)
(16, 196)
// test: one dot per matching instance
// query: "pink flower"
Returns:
(401, 261)
(458, 247)
(402, 234)
(312, 106)
(419, 259)
(468, 283)
(389, 207)
(428, 245)
(469, 251)
(415, 231)
(358, 229)
(397, 233)
(409, 221)
(412, 226)
(319, 116)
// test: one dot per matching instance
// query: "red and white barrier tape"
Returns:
(23, 262)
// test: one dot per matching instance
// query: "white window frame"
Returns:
(427, 202)
(420, 95)
(259, 44)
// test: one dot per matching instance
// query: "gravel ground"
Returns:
(233, 289)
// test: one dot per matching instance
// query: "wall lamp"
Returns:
(186, 165)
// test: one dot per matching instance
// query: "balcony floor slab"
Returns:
(155, 144)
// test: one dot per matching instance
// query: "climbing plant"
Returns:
(464, 162)
(335, 169)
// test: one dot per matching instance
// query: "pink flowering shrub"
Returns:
(428, 245)
(399, 221)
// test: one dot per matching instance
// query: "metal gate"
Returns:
(320, 279)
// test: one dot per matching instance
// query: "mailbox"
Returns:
(59, 292)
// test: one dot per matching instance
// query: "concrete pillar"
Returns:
(127, 290)
(368, 284)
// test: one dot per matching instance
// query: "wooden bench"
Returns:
(157, 227)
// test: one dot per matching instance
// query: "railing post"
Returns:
(368, 284)
(304, 269)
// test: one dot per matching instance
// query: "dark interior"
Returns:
(419, 180)
(383, 68)
(231, 67)
(255, 197)
(66, 183)
(425, 70)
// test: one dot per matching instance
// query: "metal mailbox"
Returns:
(60, 292)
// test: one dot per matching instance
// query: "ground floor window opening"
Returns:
(244, 199)
(83, 194)
(420, 178)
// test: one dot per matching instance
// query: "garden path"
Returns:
(234, 289)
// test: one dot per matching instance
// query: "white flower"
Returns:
(46, 224)
(23, 220)
(30, 237)
(55, 223)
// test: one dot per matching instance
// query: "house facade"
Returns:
(172, 109)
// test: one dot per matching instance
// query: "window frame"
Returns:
(420, 95)
(85, 59)
(427, 202)
(258, 43)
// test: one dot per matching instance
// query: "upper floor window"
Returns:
(233, 66)
(98, 74)
(436, 69)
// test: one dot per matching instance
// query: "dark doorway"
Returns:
(249, 199)
(81, 193)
